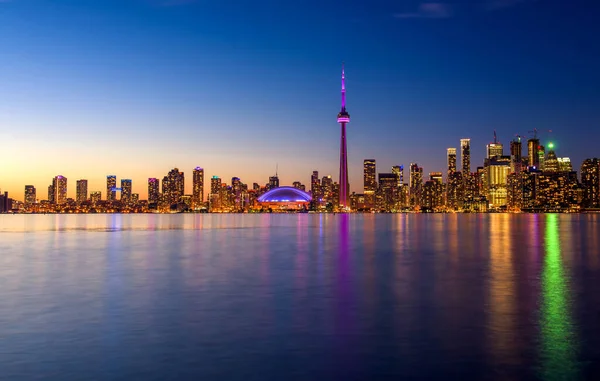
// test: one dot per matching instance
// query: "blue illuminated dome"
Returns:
(285, 194)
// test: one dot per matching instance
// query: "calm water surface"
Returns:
(299, 297)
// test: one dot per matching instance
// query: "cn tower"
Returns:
(343, 118)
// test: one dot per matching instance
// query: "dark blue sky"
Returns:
(136, 87)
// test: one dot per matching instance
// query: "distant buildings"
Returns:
(30, 195)
(82, 191)
(111, 186)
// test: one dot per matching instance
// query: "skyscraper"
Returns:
(82, 190)
(215, 193)
(126, 190)
(515, 155)
(369, 182)
(551, 161)
(590, 181)
(416, 184)
(173, 186)
(30, 194)
(533, 152)
(60, 189)
(343, 118)
(198, 186)
(52, 193)
(315, 187)
(274, 182)
(451, 158)
(495, 149)
(111, 186)
(398, 170)
(153, 191)
(465, 158)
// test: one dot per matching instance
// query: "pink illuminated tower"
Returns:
(343, 118)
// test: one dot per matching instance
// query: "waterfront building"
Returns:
(153, 191)
(126, 190)
(111, 188)
(198, 187)
(590, 182)
(59, 183)
(95, 197)
(497, 181)
(282, 199)
(82, 191)
(533, 146)
(416, 185)
(369, 181)
(30, 195)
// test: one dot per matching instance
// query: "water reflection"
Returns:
(558, 340)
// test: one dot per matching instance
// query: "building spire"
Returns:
(343, 89)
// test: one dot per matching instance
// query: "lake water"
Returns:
(299, 297)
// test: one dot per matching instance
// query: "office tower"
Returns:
(82, 191)
(516, 159)
(494, 149)
(465, 158)
(236, 192)
(173, 186)
(327, 189)
(416, 184)
(451, 158)
(564, 164)
(95, 197)
(387, 192)
(497, 181)
(153, 191)
(198, 186)
(541, 158)
(126, 190)
(135, 198)
(111, 186)
(51, 193)
(369, 182)
(315, 186)
(590, 182)
(30, 195)
(215, 193)
(533, 145)
(398, 170)
(274, 182)
(60, 189)
(551, 161)
(343, 118)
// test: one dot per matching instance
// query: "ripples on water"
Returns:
(299, 297)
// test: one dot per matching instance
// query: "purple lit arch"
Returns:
(285, 194)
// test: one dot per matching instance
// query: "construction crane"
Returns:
(535, 132)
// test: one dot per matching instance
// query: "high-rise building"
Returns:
(95, 197)
(494, 149)
(315, 186)
(533, 145)
(465, 158)
(387, 195)
(173, 186)
(299, 185)
(551, 162)
(416, 184)
(111, 186)
(451, 158)
(30, 195)
(274, 182)
(60, 189)
(215, 193)
(327, 189)
(153, 191)
(52, 193)
(497, 181)
(369, 182)
(564, 164)
(590, 181)
(343, 118)
(236, 192)
(135, 198)
(198, 186)
(82, 191)
(398, 170)
(542, 158)
(126, 190)
(516, 159)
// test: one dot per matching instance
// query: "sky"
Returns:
(134, 88)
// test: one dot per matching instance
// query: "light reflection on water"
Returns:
(299, 297)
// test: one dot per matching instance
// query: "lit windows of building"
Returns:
(416, 185)
(126, 189)
(198, 187)
(82, 191)
(153, 191)
(59, 184)
(111, 186)
(30, 195)
(95, 197)
(590, 182)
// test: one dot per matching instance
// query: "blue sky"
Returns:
(136, 87)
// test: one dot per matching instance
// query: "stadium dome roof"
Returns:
(285, 194)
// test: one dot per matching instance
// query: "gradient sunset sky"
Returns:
(90, 88)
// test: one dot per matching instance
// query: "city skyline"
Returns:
(200, 84)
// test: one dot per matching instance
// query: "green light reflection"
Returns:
(558, 341)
